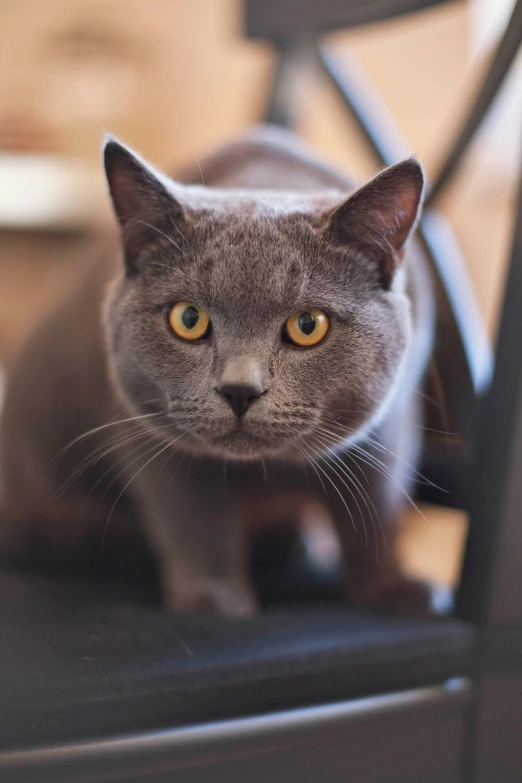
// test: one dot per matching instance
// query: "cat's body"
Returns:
(250, 258)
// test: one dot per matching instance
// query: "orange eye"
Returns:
(188, 321)
(307, 327)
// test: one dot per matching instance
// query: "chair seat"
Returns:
(75, 665)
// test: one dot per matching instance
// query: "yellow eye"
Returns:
(307, 327)
(188, 321)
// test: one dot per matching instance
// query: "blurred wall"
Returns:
(174, 77)
(169, 76)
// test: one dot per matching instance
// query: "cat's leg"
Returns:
(190, 514)
(371, 491)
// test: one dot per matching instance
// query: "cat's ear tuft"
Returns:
(141, 201)
(383, 213)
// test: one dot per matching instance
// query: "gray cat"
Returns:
(270, 316)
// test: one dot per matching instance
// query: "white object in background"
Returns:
(498, 145)
(42, 191)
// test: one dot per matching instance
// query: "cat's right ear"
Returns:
(381, 215)
(144, 207)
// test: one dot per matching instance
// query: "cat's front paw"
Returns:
(223, 597)
(392, 589)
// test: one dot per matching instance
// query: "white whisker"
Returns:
(127, 485)
(363, 493)
(201, 172)
(334, 485)
(158, 231)
(95, 456)
(384, 471)
(182, 235)
(102, 427)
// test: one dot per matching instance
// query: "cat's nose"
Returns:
(240, 396)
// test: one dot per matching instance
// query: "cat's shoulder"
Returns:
(265, 157)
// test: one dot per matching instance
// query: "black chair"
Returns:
(95, 689)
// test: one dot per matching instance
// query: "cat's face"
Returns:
(259, 323)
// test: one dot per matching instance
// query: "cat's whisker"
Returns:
(384, 471)
(95, 456)
(178, 466)
(334, 485)
(149, 436)
(413, 474)
(115, 464)
(182, 235)
(375, 517)
(310, 459)
(137, 459)
(162, 468)
(342, 411)
(371, 437)
(158, 231)
(336, 472)
(446, 433)
(160, 266)
(201, 172)
(102, 427)
(190, 465)
(377, 465)
(325, 431)
(420, 479)
(157, 453)
(364, 494)
(103, 451)
(425, 396)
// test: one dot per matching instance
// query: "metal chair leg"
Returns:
(280, 105)
(505, 54)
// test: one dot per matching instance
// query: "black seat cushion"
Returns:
(75, 665)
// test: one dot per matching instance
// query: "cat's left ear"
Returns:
(144, 207)
(382, 214)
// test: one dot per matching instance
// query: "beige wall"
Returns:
(169, 76)
(173, 76)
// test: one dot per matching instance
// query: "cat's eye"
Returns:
(188, 321)
(307, 327)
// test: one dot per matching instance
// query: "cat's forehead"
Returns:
(254, 260)
(258, 258)
(253, 232)
(242, 251)
(239, 202)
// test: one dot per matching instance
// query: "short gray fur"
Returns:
(253, 245)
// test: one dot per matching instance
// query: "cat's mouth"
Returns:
(250, 437)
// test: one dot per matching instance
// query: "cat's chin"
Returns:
(241, 446)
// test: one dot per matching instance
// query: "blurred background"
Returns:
(172, 78)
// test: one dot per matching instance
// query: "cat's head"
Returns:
(257, 323)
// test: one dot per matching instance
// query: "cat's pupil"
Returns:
(190, 317)
(306, 323)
